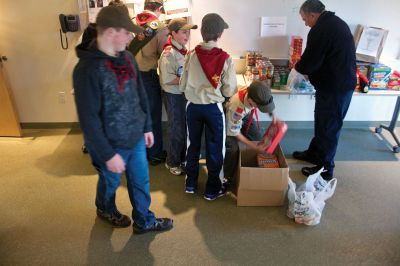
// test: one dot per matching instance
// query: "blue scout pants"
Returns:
(211, 118)
(330, 111)
(175, 105)
(138, 183)
(152, 86)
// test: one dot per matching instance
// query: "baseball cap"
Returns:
(213, 23)
(260, 93)
(116, 16)
(180, 24)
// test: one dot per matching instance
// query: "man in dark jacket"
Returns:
(115, 119)
(329, 62)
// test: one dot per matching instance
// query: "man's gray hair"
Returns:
(312, 6)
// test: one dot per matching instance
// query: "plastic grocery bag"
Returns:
(298, 83)
(307, 202)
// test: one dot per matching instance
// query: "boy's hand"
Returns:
(116, 164)
(260, 147)
(149, 139)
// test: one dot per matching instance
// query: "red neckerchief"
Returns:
(122, 72)
(168, 44)
(144, 18)
(212, 62)
(242, 94)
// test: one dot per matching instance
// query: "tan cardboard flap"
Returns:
(260, 198)
(263, 178)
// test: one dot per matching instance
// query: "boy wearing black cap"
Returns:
(115, 119)
(208, 77)
(245, 104)
(171, 68)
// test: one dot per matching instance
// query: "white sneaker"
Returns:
(175, 170)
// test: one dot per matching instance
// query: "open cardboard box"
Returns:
(261, 186)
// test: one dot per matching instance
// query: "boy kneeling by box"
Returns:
(241, 107)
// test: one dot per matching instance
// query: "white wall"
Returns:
(243, 17)
(38, 69)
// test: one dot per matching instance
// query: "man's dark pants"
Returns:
(330, 110)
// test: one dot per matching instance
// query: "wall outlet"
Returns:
(61, 97)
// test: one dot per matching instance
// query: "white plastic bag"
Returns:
(308, 201)
(298, 83)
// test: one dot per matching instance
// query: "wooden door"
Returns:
(9, 122)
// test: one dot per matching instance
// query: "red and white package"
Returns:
(273, 136)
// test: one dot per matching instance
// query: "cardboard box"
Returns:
(261, 186)
(369, 42)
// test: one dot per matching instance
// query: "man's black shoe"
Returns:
(161, 224)
(116, 219)
(307, 171)
(304, 156)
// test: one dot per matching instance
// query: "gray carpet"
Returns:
(47, 189)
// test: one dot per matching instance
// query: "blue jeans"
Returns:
(138, 183)
(175, 105)
(152, 86)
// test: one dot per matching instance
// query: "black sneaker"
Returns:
(305, 156)
(160, 158)
(161, 224)
(212, 196)
(116, 219)
(307, 171)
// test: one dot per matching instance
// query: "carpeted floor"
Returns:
(47, 189)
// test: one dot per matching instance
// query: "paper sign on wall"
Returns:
(176, 8)
(94, 7)
(273, 26)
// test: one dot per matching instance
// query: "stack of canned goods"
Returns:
(280, 77)
(258, 67)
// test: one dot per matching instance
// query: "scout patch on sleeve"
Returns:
(236, 127)
(167, 51)
(238, 114)
(148, 32)
(179, 71)
(154, 25)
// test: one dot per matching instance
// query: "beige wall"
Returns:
(37, 67)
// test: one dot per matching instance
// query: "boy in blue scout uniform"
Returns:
(115, 119)
(208, 77)
(171, 68)
(241, 105)
(147, 48)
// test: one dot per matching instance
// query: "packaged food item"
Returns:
(394, 81)
(273, 136)
(267, 161)
(379, 77)
(295, 49)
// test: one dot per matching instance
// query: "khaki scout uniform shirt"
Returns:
(171, 67)
(235, 111)
(195, 84)
(147, 57)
